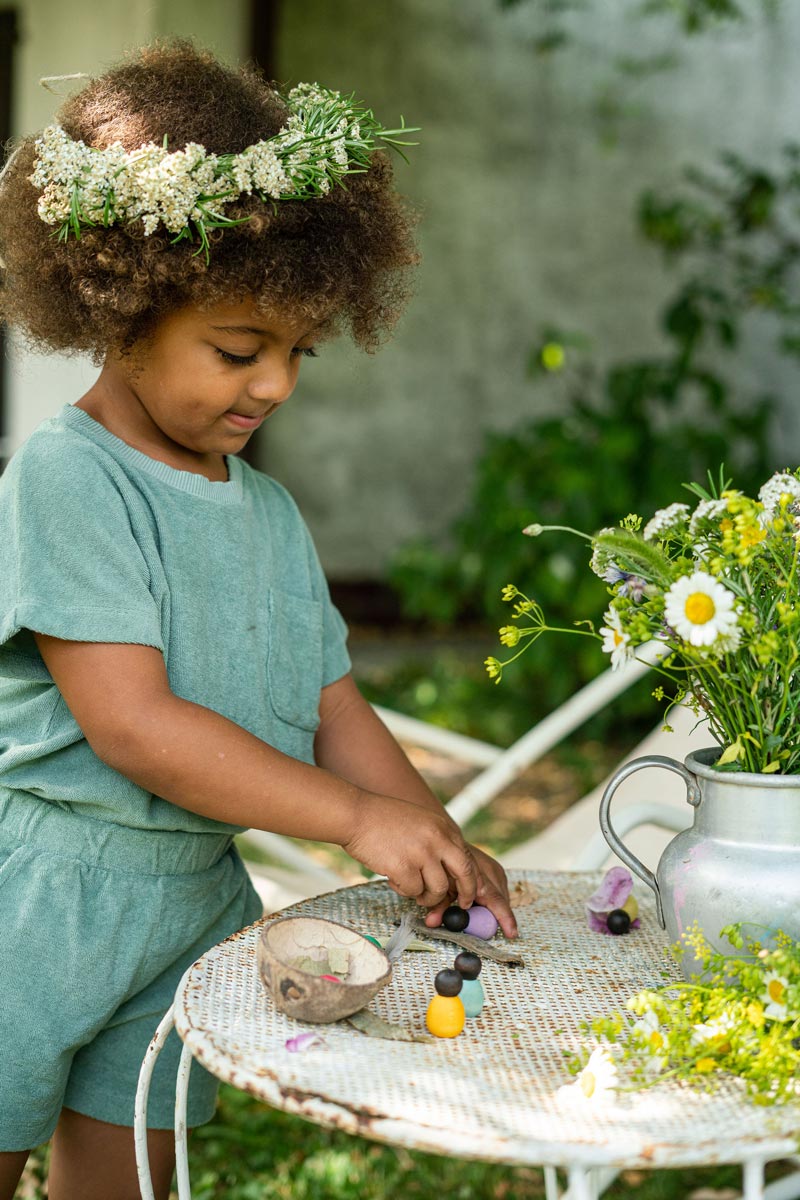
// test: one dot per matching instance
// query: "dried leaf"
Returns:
(374, 1026)
(522, 894)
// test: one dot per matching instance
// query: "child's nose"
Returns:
(274, 381)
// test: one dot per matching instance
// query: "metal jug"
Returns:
(739, 861)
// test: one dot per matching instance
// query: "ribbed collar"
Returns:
(187, 481)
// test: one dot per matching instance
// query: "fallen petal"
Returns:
(613, 891)
(304, 1041)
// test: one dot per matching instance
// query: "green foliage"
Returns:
(627, 435)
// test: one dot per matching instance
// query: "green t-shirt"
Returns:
(100, 543)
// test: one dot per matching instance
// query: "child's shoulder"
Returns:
(55, 457)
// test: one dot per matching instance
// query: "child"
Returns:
(172, 669)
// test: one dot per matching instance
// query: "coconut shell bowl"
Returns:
(318, 970)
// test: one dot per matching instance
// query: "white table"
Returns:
(495, 1092)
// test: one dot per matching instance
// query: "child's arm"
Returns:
(120, 698)
(354, 742)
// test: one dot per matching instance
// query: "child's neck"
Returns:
(118, 409)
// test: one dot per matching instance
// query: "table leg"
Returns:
(753, 1179)
(579, 1185)
(140, 1110)
(181, 1148)
(551, 1189)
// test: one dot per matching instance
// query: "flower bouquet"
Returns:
(742, 1020)
(715, 584)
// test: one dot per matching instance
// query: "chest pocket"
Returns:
(294, 658)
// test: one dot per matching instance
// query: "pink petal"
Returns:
(617, 885)
(304, 1041)
(597, 924)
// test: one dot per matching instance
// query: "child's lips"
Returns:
(244, 422)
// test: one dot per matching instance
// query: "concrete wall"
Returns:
(527, 220)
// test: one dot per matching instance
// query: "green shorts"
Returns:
(98, 922)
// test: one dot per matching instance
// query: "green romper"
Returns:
(108, 893)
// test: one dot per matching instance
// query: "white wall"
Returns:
(58, 38)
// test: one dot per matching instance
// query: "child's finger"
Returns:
(461, 868)
(491, 898)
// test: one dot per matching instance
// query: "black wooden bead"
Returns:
(448, 983)
(618, 921)
(455, 919)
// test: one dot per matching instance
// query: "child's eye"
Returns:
(306, 351)
(239, 360)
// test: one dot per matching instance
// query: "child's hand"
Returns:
(420, 850)
(492, 892)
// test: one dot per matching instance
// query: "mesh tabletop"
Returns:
(496, 1092)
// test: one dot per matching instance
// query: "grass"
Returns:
(250, 1152)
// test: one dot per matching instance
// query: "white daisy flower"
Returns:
(775, 996)
(648, 1029)
(665, 521)
(598, 1077)
(700, 609)
(615, 641)
(714, 1030)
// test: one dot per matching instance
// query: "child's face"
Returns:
(205, 379)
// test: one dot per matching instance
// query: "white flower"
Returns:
(598, 1077)
(82, 185)
(665, 521)
(601, 558)
(777, 486)
(615, 641)
(706, 510)
(593, 1086)
(649, 1032)
(700, 609)
(774, 996)
(714, 1030)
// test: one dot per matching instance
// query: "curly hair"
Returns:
(343, 259)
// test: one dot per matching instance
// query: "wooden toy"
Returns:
(445, 1016)
(472, 995)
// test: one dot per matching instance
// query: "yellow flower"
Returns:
(494, 669)
(755, 1014)
(509, 592)
(705, 1065)
(509, 635)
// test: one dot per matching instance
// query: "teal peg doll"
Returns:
(469, 966)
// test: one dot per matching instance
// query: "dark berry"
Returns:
(455, 919)
(468, 964)
(618, 921)
(448, 983)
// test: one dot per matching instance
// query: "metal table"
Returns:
(497, 1091)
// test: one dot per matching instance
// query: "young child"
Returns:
(172, 669)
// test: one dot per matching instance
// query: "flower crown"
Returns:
(326, 138)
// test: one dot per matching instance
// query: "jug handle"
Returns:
(609, 833)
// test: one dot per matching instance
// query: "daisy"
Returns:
(648, 1028)
(717, 1029)
(598, 1077)
(615, 641)
(700, 609)
(775, 995)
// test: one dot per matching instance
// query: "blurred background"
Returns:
(608, 306)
